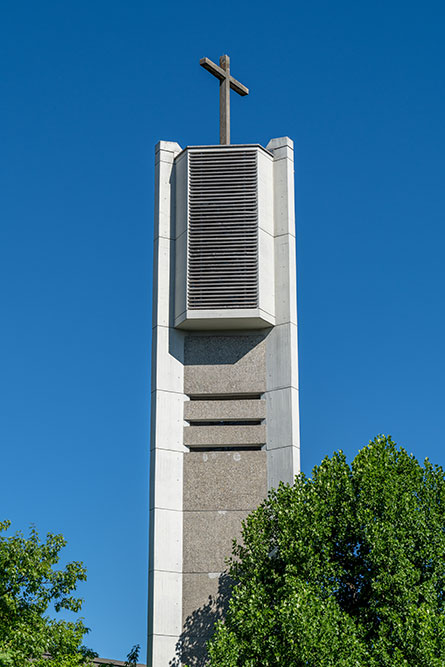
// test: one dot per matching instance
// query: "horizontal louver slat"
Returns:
(223, 230)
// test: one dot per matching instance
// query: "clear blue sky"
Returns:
(87, 89)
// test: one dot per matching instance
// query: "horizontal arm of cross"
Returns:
(221, 75)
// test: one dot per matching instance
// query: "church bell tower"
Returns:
(224, 402)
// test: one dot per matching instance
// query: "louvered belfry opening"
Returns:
(223, 230)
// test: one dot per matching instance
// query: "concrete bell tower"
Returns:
(225, 416)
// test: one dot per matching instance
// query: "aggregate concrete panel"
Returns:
(224, 436)
(224, 480)
(208, 539)
(167, 540)
(282, 465)
(205, 600)
(191, 650)
(241, 409)
(232, 364)
(283, 424)
(166, 466)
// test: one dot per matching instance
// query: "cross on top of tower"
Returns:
(227, 82)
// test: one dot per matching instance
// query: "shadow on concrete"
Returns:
(217, 349)
(199, 627)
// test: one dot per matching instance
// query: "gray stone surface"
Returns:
(234, 364)
(224, 480)
(205, 601)
(213, 410)
(205, 596)
(208, 539)
(224, 436)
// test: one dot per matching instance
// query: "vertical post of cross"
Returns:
(224, 102)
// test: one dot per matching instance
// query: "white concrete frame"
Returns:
(283, 424)
(166, 455)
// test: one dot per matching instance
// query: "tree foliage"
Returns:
(133, 656)
(30, 588)
(344, 569)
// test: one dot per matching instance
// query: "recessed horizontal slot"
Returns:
(224, 397)
(227, 422)
(247, 448)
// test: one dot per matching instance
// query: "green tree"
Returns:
(344, 569)
(133, 656)
(30, 587)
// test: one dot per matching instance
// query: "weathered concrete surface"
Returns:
(208, 539)
(224, 365)
(206, 593)
(224, 480)
(224, 436)
(214, 410)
